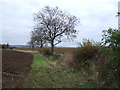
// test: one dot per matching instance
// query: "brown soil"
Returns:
(15, 68)
(58, 50)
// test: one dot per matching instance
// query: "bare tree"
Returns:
(32, 43)
(38, 37)
(56, 24)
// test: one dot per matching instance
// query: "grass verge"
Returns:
(47, 73)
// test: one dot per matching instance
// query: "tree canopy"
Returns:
(54, 24)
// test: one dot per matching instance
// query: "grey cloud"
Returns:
(17, 18)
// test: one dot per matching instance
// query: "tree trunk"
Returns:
(33, 47)
(52, 47)
(41, 46)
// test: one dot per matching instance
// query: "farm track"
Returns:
(15, 68)
(47, 73)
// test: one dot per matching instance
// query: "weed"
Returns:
(47, 73)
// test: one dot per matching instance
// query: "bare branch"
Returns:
(55, 24)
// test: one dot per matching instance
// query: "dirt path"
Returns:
(27, 51)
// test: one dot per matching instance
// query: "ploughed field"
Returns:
(15, 68)
(58, 50)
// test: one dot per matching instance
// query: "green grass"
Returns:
(47, 73)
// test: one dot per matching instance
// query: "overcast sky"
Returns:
(16, 18)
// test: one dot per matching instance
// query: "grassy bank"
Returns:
(51, 74)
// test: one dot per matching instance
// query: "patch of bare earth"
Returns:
(15, 68)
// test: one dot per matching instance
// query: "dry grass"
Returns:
(69, 60)
(68, 55)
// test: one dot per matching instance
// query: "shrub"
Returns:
(86, 51)
(56, 56)
(111, 39)
(11, 47)
(45, 52)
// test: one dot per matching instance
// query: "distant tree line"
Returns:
(6, 46)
